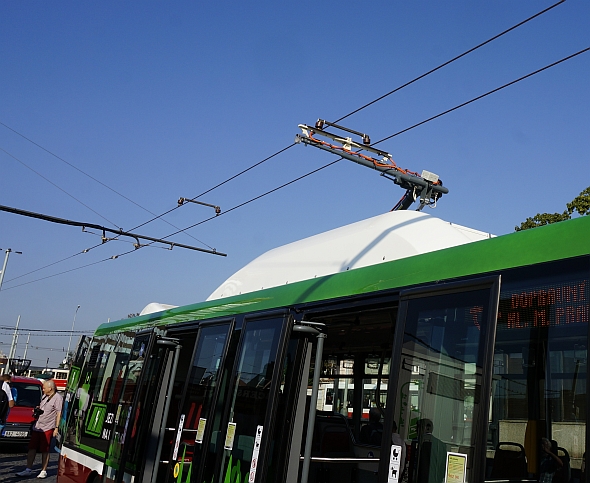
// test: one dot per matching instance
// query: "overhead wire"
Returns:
(484, 95)
(326, 165)
(58, 187)
(22, 330)
(22, 334)
(431, 71)
(89, 176)
(491, 39)
(393, 135)
(59, 273)
(220, 184)
(519, 24)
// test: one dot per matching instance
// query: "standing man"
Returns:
(6, 399)
(45, 428)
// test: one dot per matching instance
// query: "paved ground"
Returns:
(13, 458)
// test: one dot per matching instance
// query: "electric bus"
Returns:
(398, 348)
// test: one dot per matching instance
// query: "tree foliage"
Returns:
(580, 204)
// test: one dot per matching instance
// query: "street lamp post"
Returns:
(71, 333)
(8, 251)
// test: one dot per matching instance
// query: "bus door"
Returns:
(239, 443)
(192, 421)
(440, 383)
(136, 426)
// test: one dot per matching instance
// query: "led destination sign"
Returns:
(548, 306)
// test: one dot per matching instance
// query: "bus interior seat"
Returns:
(336, 442)
(509, 462)
(332, 436)
(563, 474)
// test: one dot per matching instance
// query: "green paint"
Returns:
(233, 473)
(179, 479)
(82, 401)
(91, 450)
(73, 378)
(228, 472)
(552, 242)
(112, 463)
(188, 475)
(95, 419)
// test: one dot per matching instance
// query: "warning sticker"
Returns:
(178, 436)
(200, 430)
(394, 464)
(255, 451)
(229, 436)
(456, 468)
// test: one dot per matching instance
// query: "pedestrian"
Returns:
(48, 414)
(6, 398)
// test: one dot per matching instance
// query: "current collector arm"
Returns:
(426, 186)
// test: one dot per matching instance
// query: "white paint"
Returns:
(394, 464)
(178, 436)
(154, 307)
(391, 236)
(255, 451)
(82, 459)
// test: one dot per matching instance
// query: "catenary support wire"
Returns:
(83, 225)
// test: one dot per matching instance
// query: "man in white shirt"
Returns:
(6, 388)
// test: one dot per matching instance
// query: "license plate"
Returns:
(15, 434)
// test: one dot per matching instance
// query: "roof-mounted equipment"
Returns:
(426, 186)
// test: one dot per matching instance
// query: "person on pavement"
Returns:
(48, 414)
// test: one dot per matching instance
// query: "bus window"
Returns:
(540, 370)
(199, 396)
(356, 365)
(249, 396)
(100, 385)
(439, 381)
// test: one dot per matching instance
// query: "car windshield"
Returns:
(26, 394)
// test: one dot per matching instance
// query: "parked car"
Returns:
(27, 392)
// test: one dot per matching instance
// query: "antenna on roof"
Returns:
(426, 186)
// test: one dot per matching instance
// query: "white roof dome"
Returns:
(391, 236)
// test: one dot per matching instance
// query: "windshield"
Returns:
(26, 394)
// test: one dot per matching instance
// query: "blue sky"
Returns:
(159, 100)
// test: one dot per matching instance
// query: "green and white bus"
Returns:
(300, 365)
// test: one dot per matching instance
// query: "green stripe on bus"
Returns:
(89, 449)
(562, 240)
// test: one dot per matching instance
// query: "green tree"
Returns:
(580, 204)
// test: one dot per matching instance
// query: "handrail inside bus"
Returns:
(319, 459)
(314, 396)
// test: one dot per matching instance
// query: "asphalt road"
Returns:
(13, 458)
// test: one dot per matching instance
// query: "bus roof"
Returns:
(390, 236)
(553, 242)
